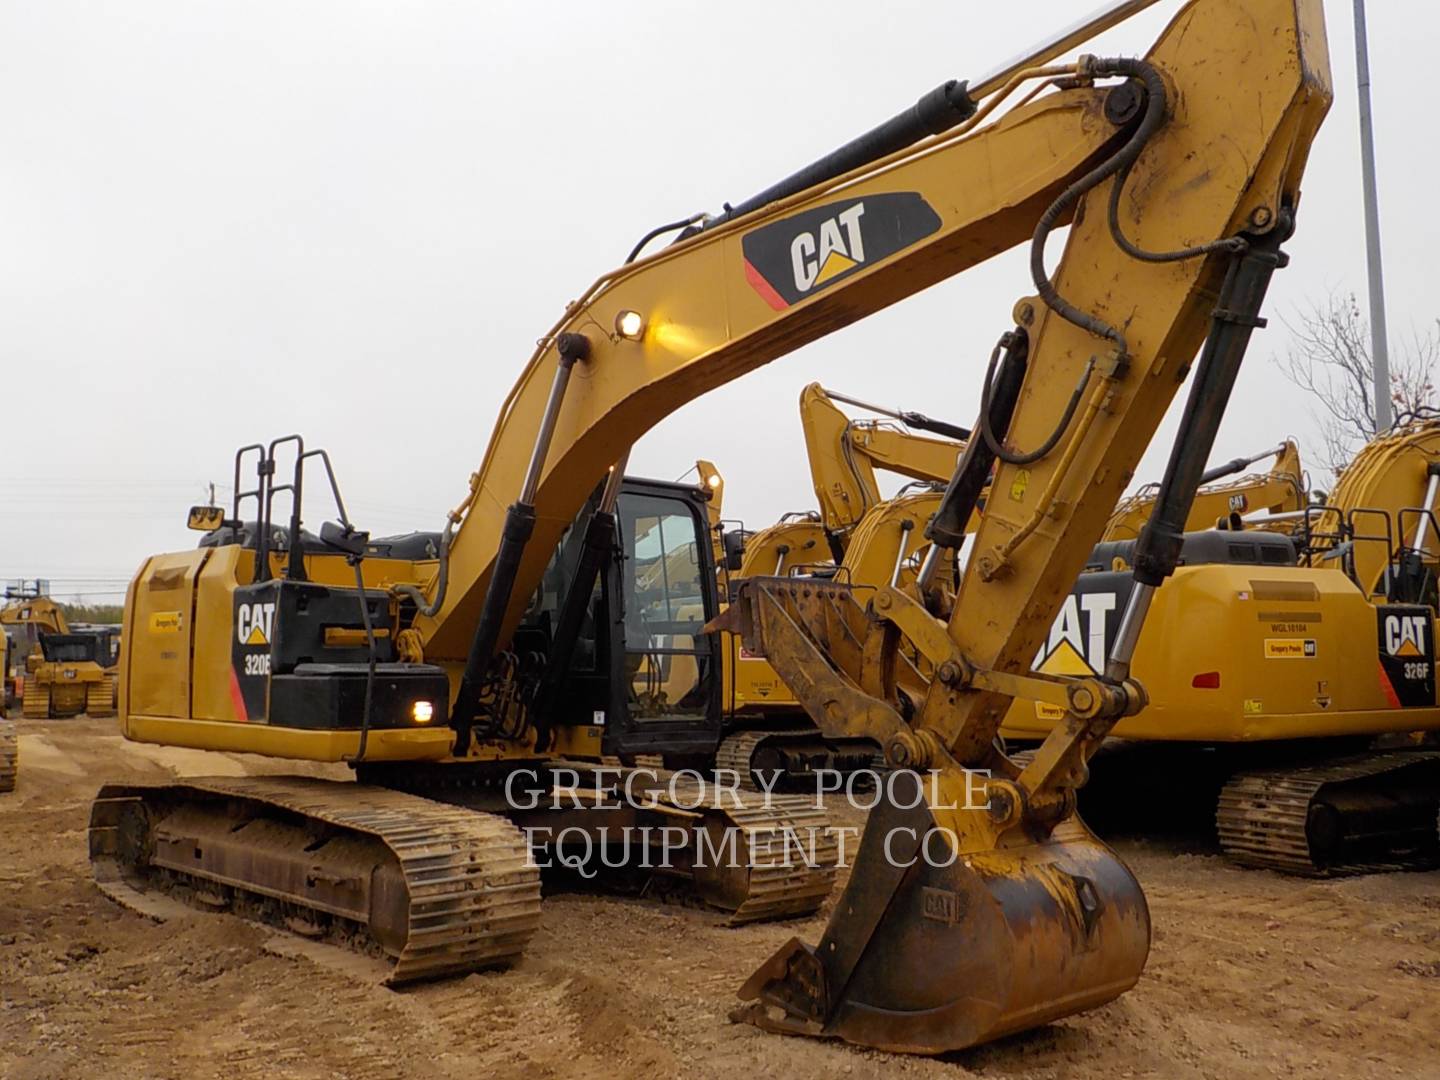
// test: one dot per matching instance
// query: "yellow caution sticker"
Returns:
(1019, 484)
(1290, 648)
(1254, 706)
(165, 622)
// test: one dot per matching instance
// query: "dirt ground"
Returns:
(1251, 975)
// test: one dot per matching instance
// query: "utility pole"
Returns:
(1379, 343)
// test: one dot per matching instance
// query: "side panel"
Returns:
(158, 635)
(218, 694)
(1240, 653)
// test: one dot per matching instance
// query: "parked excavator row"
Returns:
(450, 690)
(1255, 658)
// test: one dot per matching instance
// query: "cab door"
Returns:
(665, 672)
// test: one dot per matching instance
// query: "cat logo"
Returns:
(1405, 635)
(815, 262)
(1239, 503)
(252, 623)
(1078, 642)
(798, 256)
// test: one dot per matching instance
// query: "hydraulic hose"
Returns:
(987, 431)
(370, 669)
(660, 230)
(442, 579)
(1121, 161)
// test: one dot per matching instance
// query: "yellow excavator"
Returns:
(976, 906)
(27, 615)
(1275, 659)
(844, 454)
(1276, 498)
(771, 735)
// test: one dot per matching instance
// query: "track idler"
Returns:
(954, 931)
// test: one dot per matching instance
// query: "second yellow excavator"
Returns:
(858, 537)
(1276, 657)
(1279, 495)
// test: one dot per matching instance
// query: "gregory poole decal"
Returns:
(793, 258)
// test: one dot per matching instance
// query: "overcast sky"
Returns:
(224, 221)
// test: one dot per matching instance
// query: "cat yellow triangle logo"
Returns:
(834, 266)
(1064, 659)
(256, 636)
(1408, 648)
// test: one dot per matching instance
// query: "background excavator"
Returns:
(1276, 658)
(442, 681)
(771, 735)
(1278, 496)
(843, 454)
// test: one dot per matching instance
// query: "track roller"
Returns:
(438, 889)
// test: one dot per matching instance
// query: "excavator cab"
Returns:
(642, 669)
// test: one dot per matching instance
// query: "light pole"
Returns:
(1379, 343)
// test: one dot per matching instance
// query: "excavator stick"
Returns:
(979, 904)
(946, 941)
(958, 924)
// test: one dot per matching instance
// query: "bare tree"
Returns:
(1329, 358)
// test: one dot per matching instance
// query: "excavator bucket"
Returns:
(943, 940)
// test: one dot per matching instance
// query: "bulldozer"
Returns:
(1288, 665)
(978, 903)
(54, 669)
(72, 673)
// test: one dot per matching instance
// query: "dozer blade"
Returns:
(925, 957)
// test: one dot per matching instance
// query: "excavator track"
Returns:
(786, 852)
(9, 755)
(440, 890)
(35, 701)
(100, 698)
(1285, 819)
(735, 753)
